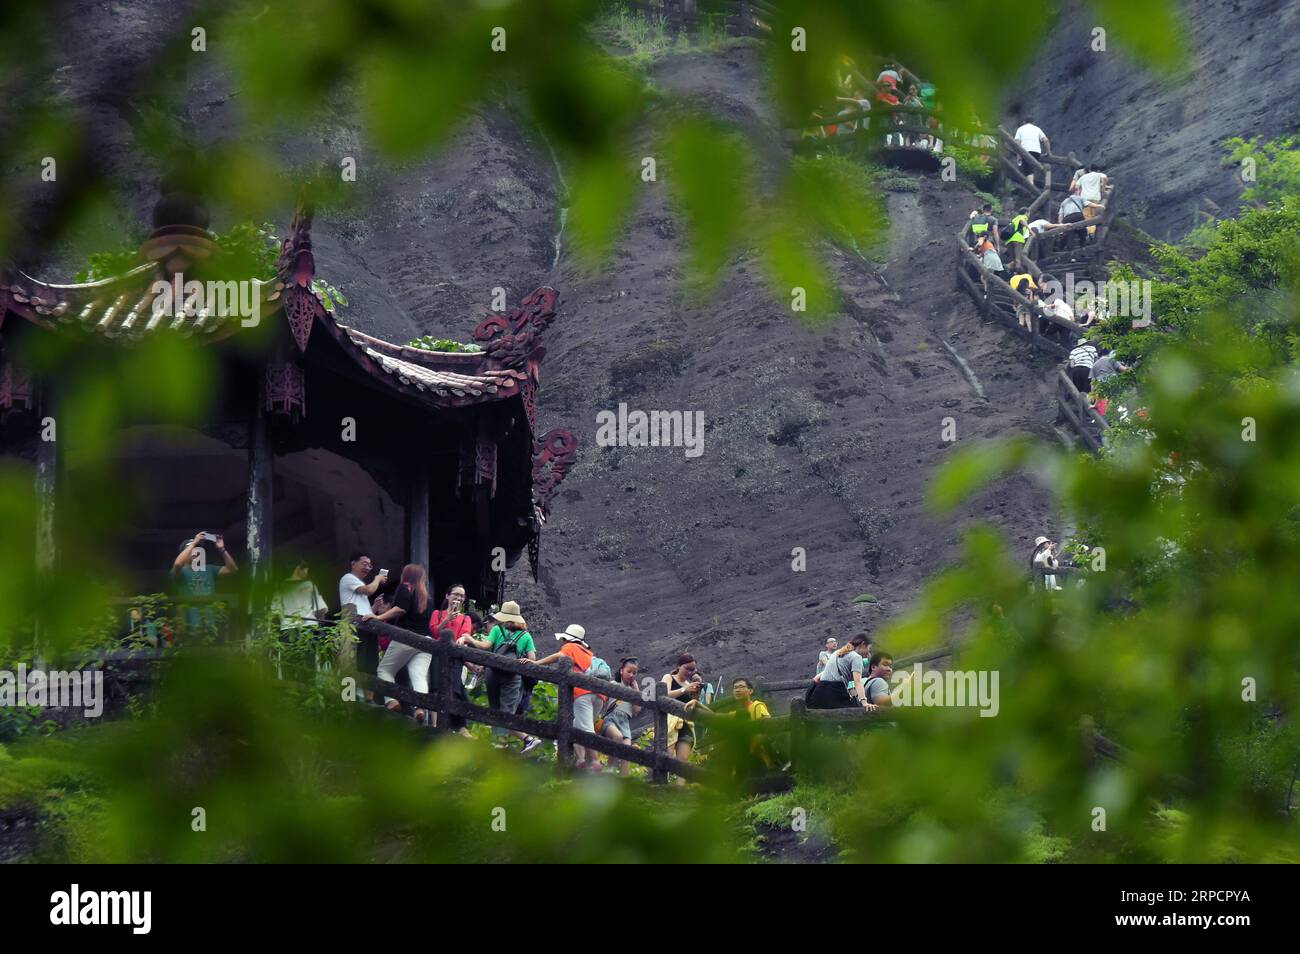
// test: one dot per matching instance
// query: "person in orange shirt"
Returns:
(575, 648)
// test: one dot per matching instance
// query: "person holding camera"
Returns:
(354, 599)
(195, 571)
(1044, 558)
(685, 685)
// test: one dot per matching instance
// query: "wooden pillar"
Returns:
(47, 483)
(417, 515)
(47, 470)
(483, 542)
(261, 462)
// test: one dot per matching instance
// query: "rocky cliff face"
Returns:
(816, 442)
(1162, 140)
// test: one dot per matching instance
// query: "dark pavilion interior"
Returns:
(321, 440)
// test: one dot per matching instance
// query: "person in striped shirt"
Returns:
(1081, 360)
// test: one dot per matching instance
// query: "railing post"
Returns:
(798, 725)
(448, 670)
(564, 718)
(659, 773)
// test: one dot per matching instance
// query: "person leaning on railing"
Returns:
(839, 685)
(615, 721)
(1024, 283)
(578, 651)
(411, 610)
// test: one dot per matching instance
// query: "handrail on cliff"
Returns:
(993, 294)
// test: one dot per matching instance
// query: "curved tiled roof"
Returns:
(125, 308)
(119, 307)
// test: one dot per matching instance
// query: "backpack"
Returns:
(512, 644)
(599, 668)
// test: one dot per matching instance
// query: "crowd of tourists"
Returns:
(1001, 249)
(894, 93)
(856, 674)
(367, 596)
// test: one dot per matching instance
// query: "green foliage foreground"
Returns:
(1182, 649)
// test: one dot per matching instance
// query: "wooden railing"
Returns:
(562, 731)
(995, 298)
(162, 628)
(887, 128)
(738, 17)
(1083, 417)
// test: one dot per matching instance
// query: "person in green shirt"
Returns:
(508, 637)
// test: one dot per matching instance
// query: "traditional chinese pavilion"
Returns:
(323, 440)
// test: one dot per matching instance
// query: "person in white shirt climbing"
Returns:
(1033, 141)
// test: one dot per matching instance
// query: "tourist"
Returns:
(1043, 243)
(1024, 283)
(451, 622)
(875, 689)
(1054, 305)
(1033, 141)
(891, 75)
(1072, 211)
(508, 637)
(1019, 227)
(472, 672)
(888, 96)
(411, 610)
(1093, 187)
(1106, 366)
(991, 260)
(201, 560)
(299, 605)
(684, 685)
(742, 690)
(616, 716)
(858, 102)
(984, 224)
(1080, 365)
(354, 601)
(840, 684)
(913, 100)
(825, 655)
(578, 651)
(297, 601)
(1044, 558)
